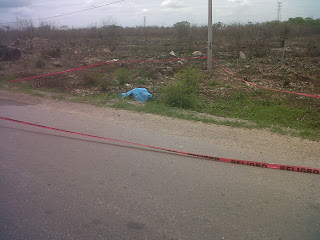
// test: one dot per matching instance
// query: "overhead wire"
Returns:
(66, 14)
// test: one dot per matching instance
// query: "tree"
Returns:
(182, 29)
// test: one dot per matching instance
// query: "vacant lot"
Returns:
(280, 55)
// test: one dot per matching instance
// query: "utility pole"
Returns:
(209, 62)
(145, 29)
(279, 11)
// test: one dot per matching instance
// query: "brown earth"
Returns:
(299, 72)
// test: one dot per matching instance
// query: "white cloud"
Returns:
(164, 12)
(22, 11)
(172, 4)
(239, 1)
(145, 10)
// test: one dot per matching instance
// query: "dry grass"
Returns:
(263, 45)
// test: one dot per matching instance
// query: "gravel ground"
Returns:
(283, 149)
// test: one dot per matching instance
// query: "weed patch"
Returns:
(277, 114)
(122, 75)
(142, 81)
(183, 94)
(39, 61)
(36, 94)
(99, 99)
(2, 66)
(214, 83)
(54, 90)
(79, 99)
(59, 97)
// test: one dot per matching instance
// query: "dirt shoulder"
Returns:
(295, 149)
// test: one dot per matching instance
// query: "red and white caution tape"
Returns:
(158, 61)
(226, 160)
(102, 63)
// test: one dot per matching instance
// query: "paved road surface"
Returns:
(58, 186)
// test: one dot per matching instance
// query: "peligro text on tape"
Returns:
(226, 160)
(276, 166)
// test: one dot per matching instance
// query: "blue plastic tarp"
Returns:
(141, 94)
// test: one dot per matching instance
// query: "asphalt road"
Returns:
(59, 186)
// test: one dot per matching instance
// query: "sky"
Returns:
(131, 13)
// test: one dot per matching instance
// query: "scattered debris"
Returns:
(172, 53)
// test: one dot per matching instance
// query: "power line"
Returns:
(65, 14)
(243, 4)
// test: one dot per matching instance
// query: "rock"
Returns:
(93, 60)
(172, 53)
(243, 56)
(197, 54)
(9, 53)
(57, 64)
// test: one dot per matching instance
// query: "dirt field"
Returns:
(53, 51)
(294, 150)
(266, 54)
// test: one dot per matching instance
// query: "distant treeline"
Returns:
(257, 38)
(305, 21)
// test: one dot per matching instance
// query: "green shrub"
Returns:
(122, 75)
(183, 94)
(105, 83)
(190, 78)
(97, 79)
(214, 83)
(178, 95)
(39, 62)
(150, 73)
(142, 81)
(89, 79)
